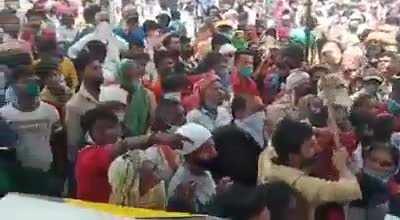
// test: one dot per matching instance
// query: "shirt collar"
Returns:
(85, 94)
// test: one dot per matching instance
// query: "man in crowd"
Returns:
(242, 87)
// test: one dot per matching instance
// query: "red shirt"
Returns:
(91, 173)
(243, 84)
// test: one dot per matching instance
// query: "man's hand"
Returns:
(339, 159)
(173, 140)
(185, 191)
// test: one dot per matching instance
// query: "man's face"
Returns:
(94, 72)
(205, 153)
(27, 87)
(245, 61)
(214, 94)
(175, 44)
(106, 132)
(380, 161)
(307, 152)
(214, 13)
(167, 66)
(68, 20)
(304, 89)
(177, 116)
(383, 64)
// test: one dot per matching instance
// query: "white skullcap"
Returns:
(296, 78)
(197, 133)
(113, 93)
(227, 48)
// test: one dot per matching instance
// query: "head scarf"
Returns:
(124, 178)
(296, 79)
(194, 101)
(137, 118)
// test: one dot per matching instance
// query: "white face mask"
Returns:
(254, 124)
(173, 96)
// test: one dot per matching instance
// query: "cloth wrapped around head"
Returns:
(124, 176)
(123, 67)
(296, 79)
(194, 101)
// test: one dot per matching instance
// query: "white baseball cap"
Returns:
(196, 133)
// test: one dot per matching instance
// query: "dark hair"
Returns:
(174, 82)
(278, 196)
(388, 54)
(239, 103)
(219, 40)
(12, 60)
(175, 15)
(94, 50)
(209, 62)
(394, 152)
(164, 17)
(360, 100)
(240, 53)
(90, 11)
(19, 72)
(88, 120)
(97, 49)
(289, 136)
(150, 25)
(293, 51)
(44, 67)
(211, 8)
(168, 39)
(242, 203)
(46, 45)
(161, 55)
(383, 128)
(392, 20)
(161, 111)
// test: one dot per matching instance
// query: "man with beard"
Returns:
(289, 160)
(192, 174)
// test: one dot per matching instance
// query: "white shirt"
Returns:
(199, 116)
(65, 34)
(34, 130)
(115, 45)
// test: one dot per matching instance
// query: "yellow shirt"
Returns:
(312, 191)
(67, 68)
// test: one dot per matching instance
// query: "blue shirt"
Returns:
(136, 36)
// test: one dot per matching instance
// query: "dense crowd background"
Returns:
(236, 109)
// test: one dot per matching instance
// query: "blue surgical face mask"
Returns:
(246, 71)
(393, 107)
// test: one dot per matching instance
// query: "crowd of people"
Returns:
(286, 111)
